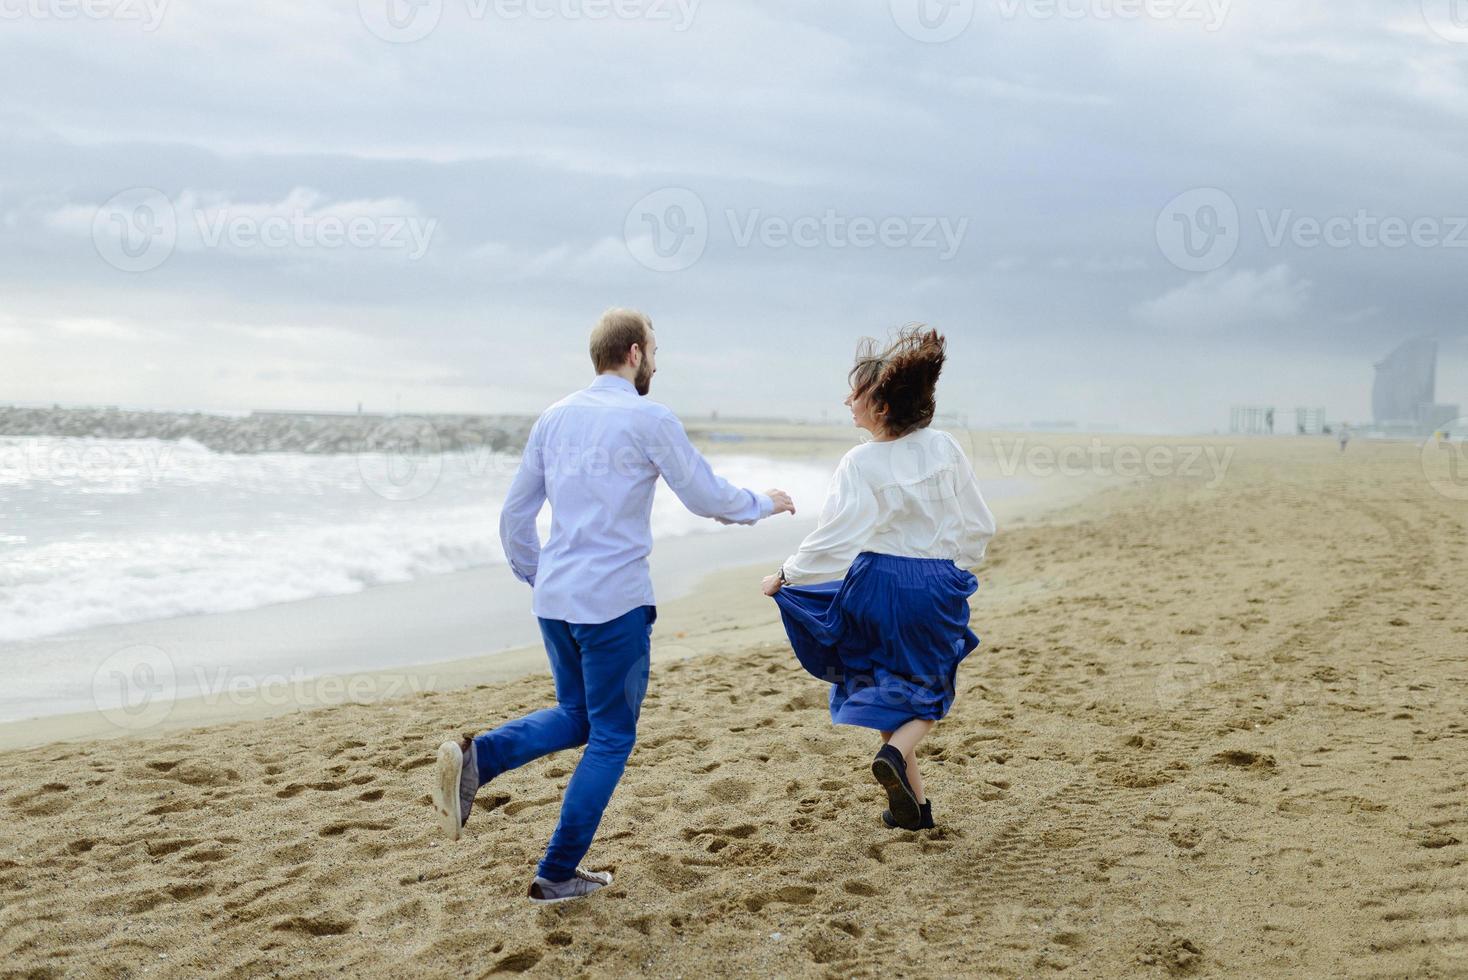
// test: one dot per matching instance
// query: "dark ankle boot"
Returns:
(925, 823)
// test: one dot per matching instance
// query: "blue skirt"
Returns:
(888, 637)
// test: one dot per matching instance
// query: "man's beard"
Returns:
(643, 381)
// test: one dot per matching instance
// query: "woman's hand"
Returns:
(770, 585)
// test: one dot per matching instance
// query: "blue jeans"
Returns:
(601, 677)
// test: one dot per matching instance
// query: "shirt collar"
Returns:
(614, 381)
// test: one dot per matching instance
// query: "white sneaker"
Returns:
(455, 783)
(545, 892)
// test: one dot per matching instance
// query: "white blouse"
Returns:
(914, 497)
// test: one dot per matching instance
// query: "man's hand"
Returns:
(783, 505)
(771, 584)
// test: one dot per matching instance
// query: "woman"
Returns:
(903, 522)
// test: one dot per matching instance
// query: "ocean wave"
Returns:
(118, 532)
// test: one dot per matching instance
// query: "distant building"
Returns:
(1251, 420)
(1310, 421)
(1404, 399)
(1405, 380)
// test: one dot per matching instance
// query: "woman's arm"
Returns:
(978, 521)
(846, 523)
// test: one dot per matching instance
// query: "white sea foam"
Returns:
(96, 531)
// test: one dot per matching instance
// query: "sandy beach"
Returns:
(1216, 728)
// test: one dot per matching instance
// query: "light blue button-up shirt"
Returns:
(596, 455)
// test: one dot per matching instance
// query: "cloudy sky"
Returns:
(1123, 212)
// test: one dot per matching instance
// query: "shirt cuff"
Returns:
(766, 505)
(793, 575)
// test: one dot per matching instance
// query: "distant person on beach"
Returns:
(1344, 436)
(875, 601)
(596, 456)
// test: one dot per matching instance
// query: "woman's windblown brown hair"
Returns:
(901, 379)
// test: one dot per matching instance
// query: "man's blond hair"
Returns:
(614, 335)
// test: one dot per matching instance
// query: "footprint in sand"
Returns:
(1243, 759)
(517, 962)
(730, 790)
(317, 925)
(720, 837)
(521, 805)
(48, 801)
(790, 895)
(341, 827)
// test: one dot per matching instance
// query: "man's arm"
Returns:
(518, 534)
(700, 489)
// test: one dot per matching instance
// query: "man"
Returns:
(596, 456)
